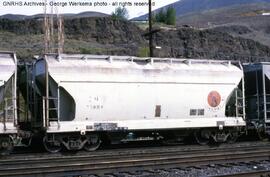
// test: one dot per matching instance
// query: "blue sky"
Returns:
(21, 8)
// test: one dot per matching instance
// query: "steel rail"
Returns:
(101, 165)
(126, 152)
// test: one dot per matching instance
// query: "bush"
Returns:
(144, 52)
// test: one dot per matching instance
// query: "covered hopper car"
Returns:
(257, 91)
(8, 97)
(10, 133)
(77, 101)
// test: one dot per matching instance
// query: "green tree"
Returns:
(170, 16)
(120, 13)
(160, 16)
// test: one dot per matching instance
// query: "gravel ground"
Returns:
(202, 171)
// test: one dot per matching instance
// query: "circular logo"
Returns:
(214, 99)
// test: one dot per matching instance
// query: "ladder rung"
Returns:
(53, 98)
(53, 119)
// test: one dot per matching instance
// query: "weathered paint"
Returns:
(126, 90)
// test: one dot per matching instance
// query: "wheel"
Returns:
(262, 135)
(52, 146)
(93, 143)
(202, 137)
(232, 138)
(6, 146)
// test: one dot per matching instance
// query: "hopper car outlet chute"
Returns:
(83, 98)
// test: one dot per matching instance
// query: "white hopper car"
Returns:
(86, 98)
(8, 113)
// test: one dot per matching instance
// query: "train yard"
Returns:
(185, 160)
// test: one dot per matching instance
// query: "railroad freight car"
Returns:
(10, 133)
(257, 86)
(81, 100)
(8, 114)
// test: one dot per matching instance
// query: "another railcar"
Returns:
(8, 98)
(257, 86)
(83, 99)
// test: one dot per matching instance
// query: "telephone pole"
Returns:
(53, 44)
(150, 29)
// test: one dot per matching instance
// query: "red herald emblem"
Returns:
(214, 99)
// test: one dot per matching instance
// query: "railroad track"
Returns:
(102, 162)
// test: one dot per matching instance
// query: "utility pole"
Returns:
(150, 29)
(46, 29)
(50, 41)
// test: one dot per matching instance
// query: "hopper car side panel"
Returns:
(133, 106)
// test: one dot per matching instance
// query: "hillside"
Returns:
(235, 14)
(17, 17)
(244, 21)
(82, 35)
(239, 18)
(116, 37)
(209, 43)
(184, 7)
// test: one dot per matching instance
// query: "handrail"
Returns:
(142, 59)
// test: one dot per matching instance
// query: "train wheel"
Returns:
(202, 137)
(93, 143)
(6, 145)
(52, 146)
(232, 138)
(262, 135)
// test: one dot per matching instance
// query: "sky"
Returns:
(30, 7)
